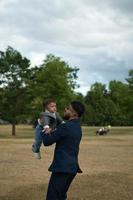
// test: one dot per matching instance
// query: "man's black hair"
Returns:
(78, 107)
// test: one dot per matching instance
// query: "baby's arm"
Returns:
(46, 127)
(44, 122)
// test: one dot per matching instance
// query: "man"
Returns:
(65, 162)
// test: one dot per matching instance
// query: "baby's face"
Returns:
(52, 107)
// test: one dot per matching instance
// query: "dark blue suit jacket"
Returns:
(67, 138)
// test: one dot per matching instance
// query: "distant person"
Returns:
(48, 119)
(109, 127)
(65, 162)
(103, 130)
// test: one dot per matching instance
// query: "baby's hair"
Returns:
(47, 102)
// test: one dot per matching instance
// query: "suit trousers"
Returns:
(58, 185)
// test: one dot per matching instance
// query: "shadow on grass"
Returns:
(113, 186)
(31, 192)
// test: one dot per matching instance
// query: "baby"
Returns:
(47, 119)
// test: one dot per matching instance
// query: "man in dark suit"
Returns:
(65, 162)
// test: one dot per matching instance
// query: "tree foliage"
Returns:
(113, 106)
(14, 73)
(23, 89)
(54, 79)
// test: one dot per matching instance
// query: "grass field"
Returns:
(106, 161)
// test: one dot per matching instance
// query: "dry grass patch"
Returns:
(106, 161)
(102, 186)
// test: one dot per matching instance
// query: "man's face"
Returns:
(51, 107)
(69, 112)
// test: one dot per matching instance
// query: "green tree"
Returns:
(130, 79)
(95, 100)
(129, 101)
(119, 94)
(54, 79)
(100, 109)
(14, 73)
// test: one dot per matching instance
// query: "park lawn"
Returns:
(106, 161)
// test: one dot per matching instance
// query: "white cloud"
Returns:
(95, 36)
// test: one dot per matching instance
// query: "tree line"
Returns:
(23, 89)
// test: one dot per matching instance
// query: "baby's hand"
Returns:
(47, 130)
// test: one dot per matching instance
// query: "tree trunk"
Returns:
(13, 129)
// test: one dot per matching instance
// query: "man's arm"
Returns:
(51, 138)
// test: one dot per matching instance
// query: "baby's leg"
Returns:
(37, 144)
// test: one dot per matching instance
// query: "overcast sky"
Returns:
(96, 36)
